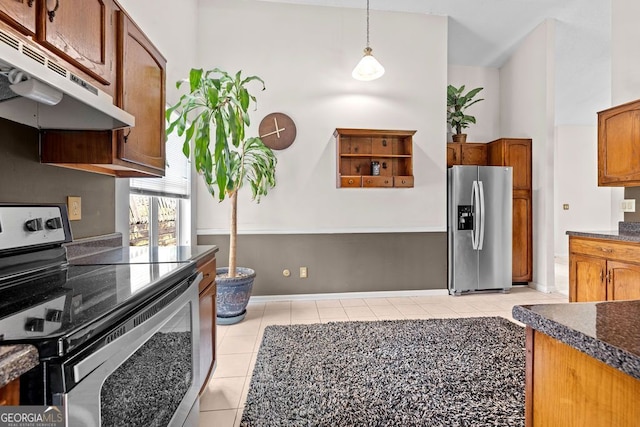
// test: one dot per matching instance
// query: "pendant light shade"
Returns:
(368, 68)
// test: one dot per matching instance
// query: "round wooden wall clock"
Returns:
(277, 131)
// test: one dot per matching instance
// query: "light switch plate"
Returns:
(74, 206)
(628, 205)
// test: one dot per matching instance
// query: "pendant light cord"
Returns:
(367, 23)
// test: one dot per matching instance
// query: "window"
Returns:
(156, 205)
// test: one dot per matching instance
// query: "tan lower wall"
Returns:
(340, 262)
(23, 179)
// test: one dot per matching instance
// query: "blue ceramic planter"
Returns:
(232, 295)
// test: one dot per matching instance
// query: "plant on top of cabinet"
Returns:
(215, 111)
(457, 104)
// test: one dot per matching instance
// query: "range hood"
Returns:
(83, 106)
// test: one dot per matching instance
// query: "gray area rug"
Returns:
(435, 372)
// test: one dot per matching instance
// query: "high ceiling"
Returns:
(485, 32)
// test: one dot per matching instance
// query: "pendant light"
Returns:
(368, 68)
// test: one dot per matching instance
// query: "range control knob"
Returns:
(53, 223)
(34, 324)
(53, 315)
(33, 224)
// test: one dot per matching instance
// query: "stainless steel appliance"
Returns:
(479, 228)
(118, 344)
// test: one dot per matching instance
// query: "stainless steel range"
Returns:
(118, 344)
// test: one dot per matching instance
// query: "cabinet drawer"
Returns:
(208, 270)
(377, 181)
(605, 249)
(350, 181)
(403, 181)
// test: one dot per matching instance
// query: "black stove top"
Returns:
(60, 309)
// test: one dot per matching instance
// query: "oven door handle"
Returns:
(137, 333)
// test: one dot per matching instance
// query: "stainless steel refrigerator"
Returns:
(479, 210)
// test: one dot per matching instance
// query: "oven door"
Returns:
(144, 377)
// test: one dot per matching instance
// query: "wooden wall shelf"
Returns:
(358, 149)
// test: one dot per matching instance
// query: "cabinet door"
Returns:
(453, 154)
(20, 14)
(522, 247)
(587, 278)
(619, 145)
(81, 32)
(517, 153)
(473, 154)
(10, 393)
(141, 71)
(624, 281)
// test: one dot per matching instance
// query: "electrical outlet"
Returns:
(303, 272)
(74, 206)
(286, 272)
(565, 206)
(628, 205)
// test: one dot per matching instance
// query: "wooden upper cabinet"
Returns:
(130, 152)
(468, 153)
(141, 71)
(619, 145)
(513, 152)
(20, 14)
(82, 33)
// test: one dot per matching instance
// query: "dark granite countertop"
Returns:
(146, 254)
(607, 331)
(626, 232)
(15, 360)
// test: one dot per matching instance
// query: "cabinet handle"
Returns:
(384, 165)
(350, 181)
(455, 156)
(207, 274)
(52, 13)
(607, 250)
(30, 3)
(384, 142)
(601, 275)
(368, 181)
(386, 181)
(126, 137)
(403, 181)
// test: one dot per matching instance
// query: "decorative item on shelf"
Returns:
(218, 103)
(277, 131)
(368, 68)
(457, 103)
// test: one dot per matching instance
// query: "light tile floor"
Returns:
(222, 402)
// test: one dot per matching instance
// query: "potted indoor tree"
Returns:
(457, 103)
(212, 118)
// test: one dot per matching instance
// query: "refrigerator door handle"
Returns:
(475, 203)
(482, 215)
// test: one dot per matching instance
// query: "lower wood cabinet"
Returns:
(602, 270)
(207, 288)
(10, 393)
(566, 387)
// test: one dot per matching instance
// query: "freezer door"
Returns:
(495, 245)
(463, 259)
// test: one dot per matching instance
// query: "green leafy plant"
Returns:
(457, 103)
(212, 120)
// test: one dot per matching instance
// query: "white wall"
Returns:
(487, 112)
(625, 61)
(305, 54)
(527, 110)
(576, 184)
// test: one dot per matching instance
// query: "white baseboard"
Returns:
(348, 295)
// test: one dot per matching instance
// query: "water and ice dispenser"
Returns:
(465, 217)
